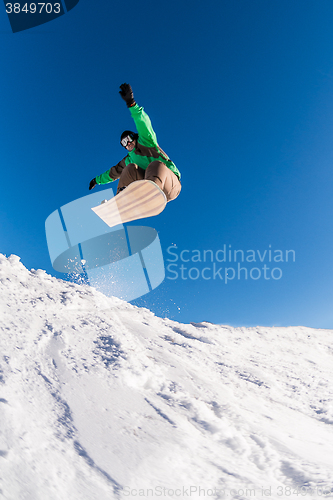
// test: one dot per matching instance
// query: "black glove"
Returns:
(126, 93)
(92, 184)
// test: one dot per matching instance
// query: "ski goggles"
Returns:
(126, 140)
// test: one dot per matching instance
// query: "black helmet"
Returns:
(132, 135)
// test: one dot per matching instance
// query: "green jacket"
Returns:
(146, 151)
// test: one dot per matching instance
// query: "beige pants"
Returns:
(157, 172)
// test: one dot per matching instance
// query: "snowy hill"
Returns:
(102, 400)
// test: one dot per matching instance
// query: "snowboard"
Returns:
(138, 200)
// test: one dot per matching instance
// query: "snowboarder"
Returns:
(145, 159)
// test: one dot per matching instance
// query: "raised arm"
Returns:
(147, 136)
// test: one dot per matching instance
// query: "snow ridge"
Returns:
(100, 399)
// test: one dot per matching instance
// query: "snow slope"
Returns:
(102, 400)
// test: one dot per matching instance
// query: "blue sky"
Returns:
(240, 94)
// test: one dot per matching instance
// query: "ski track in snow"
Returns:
(100, 400)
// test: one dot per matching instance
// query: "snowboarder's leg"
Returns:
(131, 173)
(166, 180)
